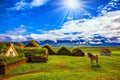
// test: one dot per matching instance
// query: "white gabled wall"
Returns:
(8, 54)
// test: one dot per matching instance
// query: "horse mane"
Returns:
(90, 54)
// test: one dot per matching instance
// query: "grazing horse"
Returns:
(93, 57)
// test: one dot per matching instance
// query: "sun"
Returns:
(70, 10)
(71, 4)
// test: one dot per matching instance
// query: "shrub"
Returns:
(22, 55)
(32, 52)
(63, 51)
(77, 52)
(9, 60)
(4, 45)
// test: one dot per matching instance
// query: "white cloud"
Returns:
(107, 27)
(111, 6)
(22, 26)
(10, 38)
(36, 3)
(17, 31)
(22, 5)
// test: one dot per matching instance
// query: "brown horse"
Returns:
(93, 57)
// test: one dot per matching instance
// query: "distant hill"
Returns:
(69, 43)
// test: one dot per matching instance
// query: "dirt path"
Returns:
(15, 75)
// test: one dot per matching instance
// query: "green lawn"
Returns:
(70, 68)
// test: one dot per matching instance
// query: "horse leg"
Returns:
(96, 61)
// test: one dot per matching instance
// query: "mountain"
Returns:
(69, 43)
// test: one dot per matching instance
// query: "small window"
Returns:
(11, 53)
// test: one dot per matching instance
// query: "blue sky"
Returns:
(96, 21)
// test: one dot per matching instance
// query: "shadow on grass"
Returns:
(115, 54)
(95, 66)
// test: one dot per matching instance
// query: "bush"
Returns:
(9, 60)
(22, 55)
(4, 44)
(32, 51)
(77, 52)
(63, 51)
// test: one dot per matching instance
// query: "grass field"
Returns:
(70, 68)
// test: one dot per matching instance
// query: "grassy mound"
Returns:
(32, 43)
(63, 51)
(77, 52)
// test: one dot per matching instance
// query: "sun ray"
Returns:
(70, 10)
(71, 4)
